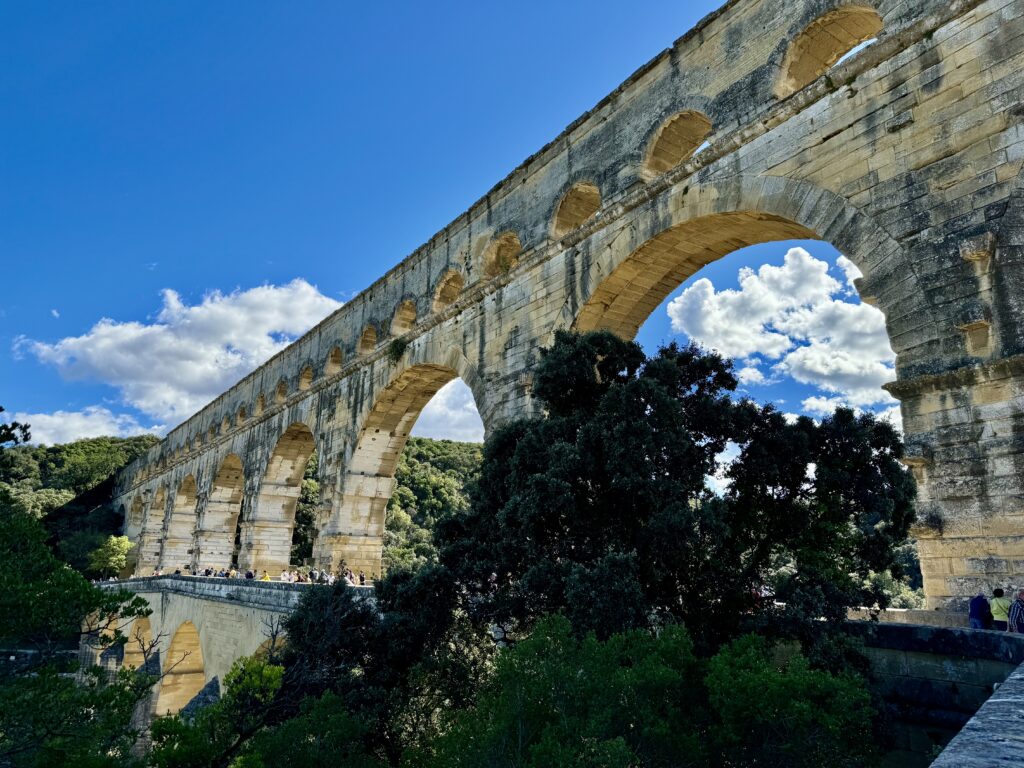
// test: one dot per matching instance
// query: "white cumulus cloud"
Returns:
(92, 421)
(796, 315)
(451, 415)
(748, 374)
(172, 366)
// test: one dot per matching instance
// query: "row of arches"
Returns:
(816, 48)
(180, 533)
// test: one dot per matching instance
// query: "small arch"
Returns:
(823, 42)
(184, 671)
(368, 341)
(305, 378)
(181, 527)
(213, 433)
(281, 392)
(261, 404)
(578, 204)
(448, 289)
(501, 255)
(676, 141)
(242, 416)
(404, 319)
(334, 360)
(225, 425)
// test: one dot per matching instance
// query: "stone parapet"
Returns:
(272, 596)
(994, 737)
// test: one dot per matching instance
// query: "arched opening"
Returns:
(354, 537)
(823, 42)
(404, 319)
(783, 306)
(281, 392)
(225, 425)
(368, 341)
(676, 141)
(138, 644)
(152, 534)
(448, 289)
(305, 378)
(501, 255)
(268, 535)
(334, 360)
(261, 404)
(179, 533)
(220, 518)
(242, 416)
(183, 670)
(623, 300)
(579, 204)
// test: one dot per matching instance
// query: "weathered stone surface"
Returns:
(200, 626)
(994, 737)
(906, 157)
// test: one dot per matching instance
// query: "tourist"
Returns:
(362, 579)
(265, 576)
(979, 612)
(1000, 610)
(1016, 616)
(284, 575)
(314, 576)
(250, 575)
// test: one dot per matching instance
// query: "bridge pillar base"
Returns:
(336, 551)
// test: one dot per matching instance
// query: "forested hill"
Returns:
(68, 488)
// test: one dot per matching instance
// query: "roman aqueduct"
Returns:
(758, 125)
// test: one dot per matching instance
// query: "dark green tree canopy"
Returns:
(603, 508)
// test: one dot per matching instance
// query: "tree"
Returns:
(431, 479)
(47, 715)
(602, 508)
(111, 557)
(554, 699)
(12, 432)
(306, 510)
(646, 699)
(782, 714)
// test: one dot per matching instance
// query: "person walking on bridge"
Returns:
(979, 612)
(1017, 614)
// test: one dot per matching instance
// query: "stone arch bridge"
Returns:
(894, 129)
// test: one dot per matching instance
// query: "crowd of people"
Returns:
(999, 613)
(292, 576)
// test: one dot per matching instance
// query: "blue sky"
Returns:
(192, 169)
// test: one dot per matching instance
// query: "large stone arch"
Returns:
(183, 670)
(630, 270)
(354, 534)
(220, 520)
(267, 534)
(180, 527)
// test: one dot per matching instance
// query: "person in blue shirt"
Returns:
(980, 612)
